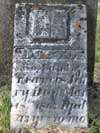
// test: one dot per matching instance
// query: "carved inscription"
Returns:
(49, 84)
(48, 23)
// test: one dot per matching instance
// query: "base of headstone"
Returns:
(58, 130)
(51, 130)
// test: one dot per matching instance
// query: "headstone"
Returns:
(49, 83)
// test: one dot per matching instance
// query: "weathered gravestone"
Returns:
(49, 84)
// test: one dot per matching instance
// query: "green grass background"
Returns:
(4, 109)
(98, 36)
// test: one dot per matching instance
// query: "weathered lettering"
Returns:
(49, 83)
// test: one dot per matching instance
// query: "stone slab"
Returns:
(60, 24)
(49, 80)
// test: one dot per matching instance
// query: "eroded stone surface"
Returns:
(49, 84)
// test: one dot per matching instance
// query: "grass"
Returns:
(4, 109)
(98, 36)
(94, 123)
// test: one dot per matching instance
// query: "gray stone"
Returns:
(49, 83)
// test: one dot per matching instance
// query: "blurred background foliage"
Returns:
(98, 35)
